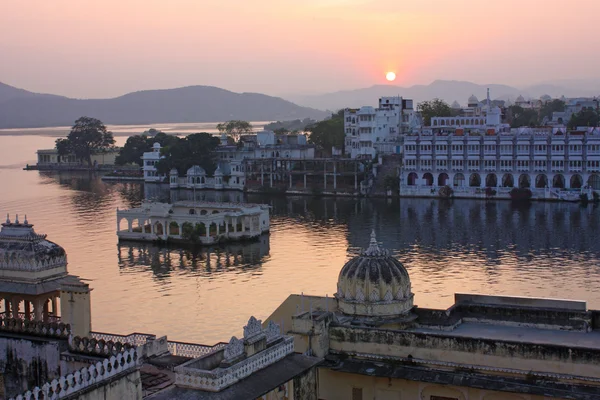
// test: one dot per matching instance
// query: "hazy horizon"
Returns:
(110, 48)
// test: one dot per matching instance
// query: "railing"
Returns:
(135, 339)
(69, 385)
(192, 350)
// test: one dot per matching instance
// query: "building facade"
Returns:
(370, 131)
(376, 344)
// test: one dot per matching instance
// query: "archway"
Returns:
(541, 181)
(576, 181)
(491, 180)
(459, 180)
(428, 178)
(411, 179)
(443, 179)
(475, 180)
(158, 229)
(594, 181)
(508, 180)
(524, 181)
(173, 228)
(558, 181)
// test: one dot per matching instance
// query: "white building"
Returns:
(370, 130)
(230, 173)
(475, 116)
(544, 159)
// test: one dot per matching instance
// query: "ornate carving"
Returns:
(273, 331)
(360, 296)
(399, 293)
(234, 348)
(253, 328)
(374, 296)
(373, 250)
(388, 296)
(340, 291)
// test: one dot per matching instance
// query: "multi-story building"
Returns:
(150, 159)
(536, 158)
(370, 131)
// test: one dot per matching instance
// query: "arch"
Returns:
(428, 178)
(147, 227)
(472, 121)
(174, 228)
(411, 180)
(192, 211)
(576, 181)
(558, 181)
(435, 122)
(459, 179)
(215, 211)
(443, 179)
(203, 212)
(594, 181)
(159, 229)
(508, 180)
(475, 180)
(202, 180)
(524, 181)
(491, 180)
(541, 181)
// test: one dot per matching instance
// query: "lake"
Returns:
(207, 295)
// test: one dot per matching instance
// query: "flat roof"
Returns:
(252, 387)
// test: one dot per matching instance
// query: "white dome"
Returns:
(520, 99)
(218, 171)
(473, 100)
(455, 105)
(196, 170)
(374, 284)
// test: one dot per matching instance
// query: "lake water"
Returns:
(543, 249)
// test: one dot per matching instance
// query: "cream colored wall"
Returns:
(335, 385)
(284, 312)
(105, 158)
(75, 309)
(498, 360)
(128, 387)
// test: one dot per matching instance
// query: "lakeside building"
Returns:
(50, 159)
(376, 344)
(370, 131)
(211, 222)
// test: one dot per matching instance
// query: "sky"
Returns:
(106, 48)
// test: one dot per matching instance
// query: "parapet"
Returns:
(525, 302)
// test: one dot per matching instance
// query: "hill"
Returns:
(22, 109)
(446, 90)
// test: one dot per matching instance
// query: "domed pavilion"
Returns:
(374, 284)
(34, 282)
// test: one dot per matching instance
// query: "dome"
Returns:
(374, 284)
(455, 105)
(196, 170)
(218, 171)
(473, 100)
(26, 255)
(546, 98)
(520, 99)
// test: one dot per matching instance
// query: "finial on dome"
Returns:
(373, 250)
(17, 219)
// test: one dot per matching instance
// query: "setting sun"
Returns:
(390, 76)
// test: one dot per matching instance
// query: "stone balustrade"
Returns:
(97, 347)
(69, 385)
(192, 350)
(35, 328)
(221, 378)
(135, 339)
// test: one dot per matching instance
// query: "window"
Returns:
(357, 394)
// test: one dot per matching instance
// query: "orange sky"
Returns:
(106, 48)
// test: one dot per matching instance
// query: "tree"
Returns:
(328, 133)
(183, 153)
(588, 117)
(235, 128)
(434, 108)
(88, 136)
(556, 105)
(137, 145)
(519, 116)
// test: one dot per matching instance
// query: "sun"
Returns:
(390, 76)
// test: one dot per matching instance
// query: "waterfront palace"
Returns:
(368, 341)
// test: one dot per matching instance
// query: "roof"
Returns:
(256, 385)
(34, 288)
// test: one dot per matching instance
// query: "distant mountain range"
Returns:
(20, 108)
(448, 91)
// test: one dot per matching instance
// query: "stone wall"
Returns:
(468, 351)
(126, 386)
(27, 363)
(305, 385)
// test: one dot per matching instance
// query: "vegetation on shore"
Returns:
(328, 133)
(88, 136)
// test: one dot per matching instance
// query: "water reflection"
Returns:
(238, 258)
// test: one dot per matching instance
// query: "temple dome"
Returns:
(196, 170)
(520, 99)
(374, 284)
(473, 100)
(26, 255)
(455, 105)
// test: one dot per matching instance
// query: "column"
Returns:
(304, 179)
(7, 307)
(54, 310)
(290, 179)
(227, 227)
(218, 229)
(334, 176)
(37, 309)
(243, 224)
(45, 310)
(262, 173)
(129, 225)
(324, 175)
(15, 307)
(271, 176)
(27, 309)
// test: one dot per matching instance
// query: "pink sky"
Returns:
(107, 48)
